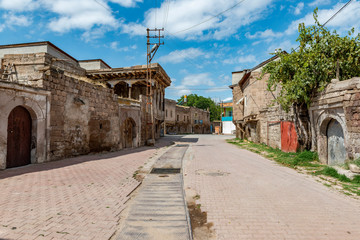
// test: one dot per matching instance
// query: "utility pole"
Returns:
(149, 82)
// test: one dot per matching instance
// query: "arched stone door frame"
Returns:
(321, 131)
(36, 102)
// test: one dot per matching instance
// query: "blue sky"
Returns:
(198, 60)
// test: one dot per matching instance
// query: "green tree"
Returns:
(193, 100)
(322, 56)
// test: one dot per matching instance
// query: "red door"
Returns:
(19, 138)
(289, 140)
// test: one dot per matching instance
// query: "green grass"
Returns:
(357, 162)
(306, 158)
(331, 172)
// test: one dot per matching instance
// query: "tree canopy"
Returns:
(322, 56)
(193, 100)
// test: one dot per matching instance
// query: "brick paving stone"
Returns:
(256, 198)
(77, 198)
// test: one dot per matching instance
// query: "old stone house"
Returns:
(255, 114)
(334, 117)
(53, 106)
(184, 120)
(335, 122)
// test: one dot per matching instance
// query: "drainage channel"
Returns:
(158, 211)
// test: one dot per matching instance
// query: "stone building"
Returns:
(184, 120)
(334, 117)
(255, 114)
(53, 106)
(335, 122)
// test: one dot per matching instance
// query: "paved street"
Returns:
(248, 197)
(79, 198)
(245, 196)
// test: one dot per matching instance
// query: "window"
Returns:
(230, 113)
(177, 118)
(195, 121)
(187, 118)
(171, 113)
(166, 113)
(184, 118)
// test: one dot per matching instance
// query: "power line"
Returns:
(331, 18)
(186, 29)
(106, 7)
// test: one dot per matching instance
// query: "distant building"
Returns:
(227, 125)
(185, 120)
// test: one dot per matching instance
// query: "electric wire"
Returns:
(105, 6)
(219, 14)
(166, 12)
(155, 14)
(331, 18)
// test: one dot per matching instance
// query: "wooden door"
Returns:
(19, 138)
(336, 145)
(129, 133)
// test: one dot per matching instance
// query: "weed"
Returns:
(331, 172)
(357, 162)
(196, 197)
(356, 179)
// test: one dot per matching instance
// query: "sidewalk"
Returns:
(78, 198)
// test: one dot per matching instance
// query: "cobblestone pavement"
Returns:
(249, 197)
(78, 198)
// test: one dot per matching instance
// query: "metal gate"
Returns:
(336, 146)
(19, 138)
(289, 140)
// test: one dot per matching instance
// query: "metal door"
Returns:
(19, 138)
(336, 146)
(289, 140)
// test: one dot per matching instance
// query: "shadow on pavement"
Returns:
(162, 142)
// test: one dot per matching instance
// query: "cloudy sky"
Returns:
(205, 40)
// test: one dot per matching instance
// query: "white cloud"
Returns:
(80, 14)
(240, 59)
(299, 8)
(268, 33)
(18, 5)
(116, 47)
(184, 14)
(179, 56)
(201, 79)
(285, 45)
(127, 3)
(94, 17)
(317, 3)
(11, 20)
(344, 21)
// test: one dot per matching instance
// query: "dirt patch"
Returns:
(211, 172)
(201, 229)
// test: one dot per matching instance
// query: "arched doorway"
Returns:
(336, 145)
(129, 133)
(18, 138)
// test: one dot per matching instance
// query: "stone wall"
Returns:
(84, 115)
(340, 101)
